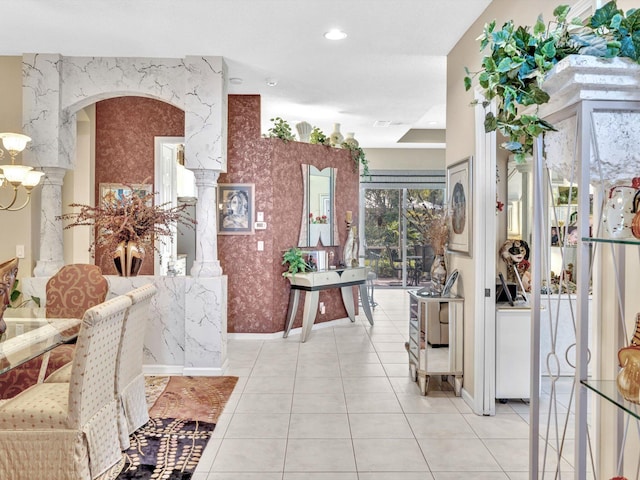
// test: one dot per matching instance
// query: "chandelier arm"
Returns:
(15, 197)
(21, 206)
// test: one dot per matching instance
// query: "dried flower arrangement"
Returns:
(131, 217)
(432, 222)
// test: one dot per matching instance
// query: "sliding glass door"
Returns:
(393, 248)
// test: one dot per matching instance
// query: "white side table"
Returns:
(312, 282)
(425, 360)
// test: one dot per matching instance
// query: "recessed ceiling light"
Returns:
(335, 34)
(272, 82)
(381, 123)
(235, 81)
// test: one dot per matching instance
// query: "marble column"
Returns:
(206, 263)
(51, 246)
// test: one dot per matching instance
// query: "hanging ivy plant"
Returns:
(359, 158)
(520, 57)
(318, 137)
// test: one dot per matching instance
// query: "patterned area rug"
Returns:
(183, 412)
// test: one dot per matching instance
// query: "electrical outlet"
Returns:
(260, 245)
(20, 251)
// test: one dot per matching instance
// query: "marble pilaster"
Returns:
(205, 107)
(42, 112)
(205, 326)
(51, 246)
(206, 263)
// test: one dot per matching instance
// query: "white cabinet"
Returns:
(513, 352)
(427, 357)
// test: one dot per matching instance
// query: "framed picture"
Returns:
(112, 192)
(460, 200)
(235, 209)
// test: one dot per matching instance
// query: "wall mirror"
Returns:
(519, 200)
(175, 185)
(318, 213)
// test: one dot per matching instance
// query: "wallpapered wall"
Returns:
(258, 294)
(125, 131)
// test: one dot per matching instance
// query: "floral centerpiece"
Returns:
(318, 219)
(127, 218)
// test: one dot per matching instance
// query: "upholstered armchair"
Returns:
(129, 386)
(8, 274)
(69, 293)
(69, 430)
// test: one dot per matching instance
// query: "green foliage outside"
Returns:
(383, 214)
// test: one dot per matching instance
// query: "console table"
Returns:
(312, 282)
(425, 359)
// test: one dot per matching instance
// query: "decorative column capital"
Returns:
(54, 175)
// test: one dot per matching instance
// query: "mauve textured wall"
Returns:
(125, 131)
(258, 294)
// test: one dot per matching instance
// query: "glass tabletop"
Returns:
(29, 334)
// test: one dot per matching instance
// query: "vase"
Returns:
(304, 131)
(128, 258)
(628, 380)
(438, 273)
(619, 211)
(350, 255)
(336, 138)
(350, 141)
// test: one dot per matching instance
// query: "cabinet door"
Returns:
(513, 353)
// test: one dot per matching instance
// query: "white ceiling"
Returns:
(391, 67)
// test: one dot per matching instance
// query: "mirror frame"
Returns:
(304, 238)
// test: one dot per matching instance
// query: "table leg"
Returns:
(364, 299)
(347, 300)
(309, 314)
(294, 300)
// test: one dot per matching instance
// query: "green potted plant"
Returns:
(317, 137)
(295, 261)
(520, 57)
(281, 129)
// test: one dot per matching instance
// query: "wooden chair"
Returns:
(69, 293)
(69, 430)
(129, 386)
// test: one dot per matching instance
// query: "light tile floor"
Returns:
(341, 406)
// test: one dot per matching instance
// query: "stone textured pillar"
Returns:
(51, 246)
(206, 263)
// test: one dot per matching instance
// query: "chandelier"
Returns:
(14, 176)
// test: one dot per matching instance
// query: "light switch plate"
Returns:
(260, 216)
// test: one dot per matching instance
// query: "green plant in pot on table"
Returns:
(519, 58)
(295, 261)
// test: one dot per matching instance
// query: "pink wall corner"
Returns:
(258, 294)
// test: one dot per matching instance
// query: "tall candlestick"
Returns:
(349, 216)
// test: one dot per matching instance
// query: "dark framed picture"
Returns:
(235, 209)
(460, 200)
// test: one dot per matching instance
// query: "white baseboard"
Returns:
(468, 399)
(294, 331)
(162, 370)
(202, 372)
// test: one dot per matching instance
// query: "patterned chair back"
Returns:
(8, 274)
(74, 289)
